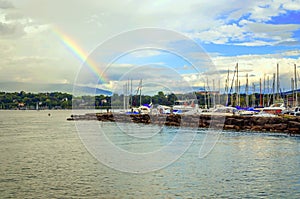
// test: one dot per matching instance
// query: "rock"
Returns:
(239, 122)
(294, 130)
(294, 124)
(237, 128)
(227, 127)
(261, 121)
(229, 121)
(256, 128)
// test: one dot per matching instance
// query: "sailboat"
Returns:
(185, 106)
(37, 106)
(143, 108)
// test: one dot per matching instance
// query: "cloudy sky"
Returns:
(48, 41)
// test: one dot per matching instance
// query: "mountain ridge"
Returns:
(40, 88)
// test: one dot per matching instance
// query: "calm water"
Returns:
(43, 157)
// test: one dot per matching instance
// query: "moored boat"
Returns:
(223, 111)
(275, 109)
(295, 111)
(265, 114)
(184, 106)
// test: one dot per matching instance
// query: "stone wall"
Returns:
(284, 124)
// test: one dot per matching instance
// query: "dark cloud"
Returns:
(13, 16)
(288, 43)
(11, 29)
(214, 72)
(221, 72)
(5, 4)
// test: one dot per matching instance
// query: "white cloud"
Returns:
(248, 33)
(292, 53)
(35, 29)
(265, 10)
(221, 34)
(259, 65)
(291, 5)
(270, 31)
(146, 53)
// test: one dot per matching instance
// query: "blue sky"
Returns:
(255, 34)
(290, 17)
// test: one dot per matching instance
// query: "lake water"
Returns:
(43, 157)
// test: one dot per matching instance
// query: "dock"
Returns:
(281, 124)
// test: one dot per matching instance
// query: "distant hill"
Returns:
(197, 88)
(66, 88)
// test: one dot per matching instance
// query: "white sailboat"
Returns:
(185, 106)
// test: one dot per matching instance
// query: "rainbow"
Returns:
(78, 52)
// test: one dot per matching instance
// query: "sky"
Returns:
(171, 45)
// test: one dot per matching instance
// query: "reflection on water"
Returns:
(42, 157)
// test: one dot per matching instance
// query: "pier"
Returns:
(281, 124)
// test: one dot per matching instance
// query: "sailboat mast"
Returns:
(214, 94)
(260, 93)
(239, 96)
(124, 98)
(293, 91)
(296, 86)
(128, 97)
(273, 88)
(226, 93)
(231, 87)
(141, 83)
(247, 90)
(278, 83)
(264, 90)
(205, 105)
(268, 90)
(253, 96)
(227, 88)
(219, 89)
(208, 94)
(131, 93)
(237, 84)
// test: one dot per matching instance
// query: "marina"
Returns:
(271, 112)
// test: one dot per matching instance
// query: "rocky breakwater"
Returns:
(283, 124)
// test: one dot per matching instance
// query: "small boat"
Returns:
(247, 111)
(295, 111)
(183, 106)
(275, 109)
(226, 110)
(162, 109)
(264, 114)
(144, 110)
(222, 111)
